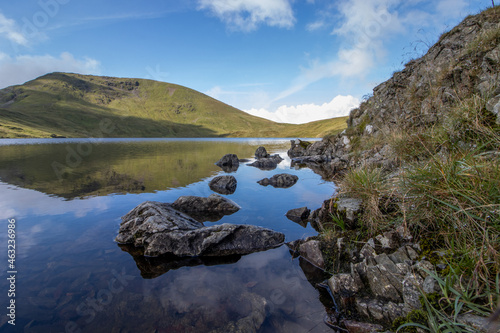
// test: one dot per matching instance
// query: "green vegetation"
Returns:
(74, 105)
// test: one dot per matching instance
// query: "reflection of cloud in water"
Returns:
(18, 202)
(260, 259)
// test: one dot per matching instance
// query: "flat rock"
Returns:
(161, 229)
(282, 180)
(211, 208)
(223, 184)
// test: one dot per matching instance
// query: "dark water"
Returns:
(67, 199)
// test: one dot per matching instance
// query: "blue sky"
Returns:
(286, 60)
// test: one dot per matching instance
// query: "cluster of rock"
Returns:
(177, 228)
(264, 161)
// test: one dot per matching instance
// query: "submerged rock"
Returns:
(229, 163)
(223, 184)
(212, 208)
(161, 229)
(283, 180)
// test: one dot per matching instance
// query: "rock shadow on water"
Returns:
(153, 267)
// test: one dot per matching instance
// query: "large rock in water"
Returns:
(223, 184)
(212, 208)
(261, 152)
(229, 163)
(161, 229)
(283, 180)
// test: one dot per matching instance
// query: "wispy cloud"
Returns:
(10, 30)
(23, 68)
(247, 15)
(364, 31)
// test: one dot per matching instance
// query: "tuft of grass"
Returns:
(369, 185)
(458, 197)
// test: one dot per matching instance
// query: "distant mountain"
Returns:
(74, 105)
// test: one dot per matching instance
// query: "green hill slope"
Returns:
(74, 105)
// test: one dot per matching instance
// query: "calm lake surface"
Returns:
(67, 198)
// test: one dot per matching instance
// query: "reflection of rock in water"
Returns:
(152, 267)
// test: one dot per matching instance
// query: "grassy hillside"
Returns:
(74, 105)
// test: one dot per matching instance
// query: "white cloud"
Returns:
(28, 67)
(247, 15)
(9, 30)
(300, 114)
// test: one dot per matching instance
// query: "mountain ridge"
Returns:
(74, 105)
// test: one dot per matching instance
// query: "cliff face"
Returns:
(465, 61)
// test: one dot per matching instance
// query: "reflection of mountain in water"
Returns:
(69, 171)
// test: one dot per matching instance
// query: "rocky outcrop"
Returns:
(229, 163)
(211, 208)
(282, 180)
(382, 287)
(161, 229)
(465, 61)
(223, 184)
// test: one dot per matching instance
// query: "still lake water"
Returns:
(67, 197)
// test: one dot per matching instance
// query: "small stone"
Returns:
(299, 215)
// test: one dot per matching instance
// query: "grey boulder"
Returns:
(161, 229)
(223, 184)
(229, 163)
